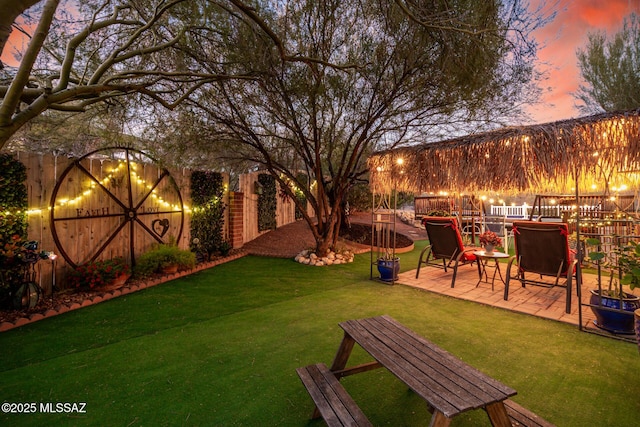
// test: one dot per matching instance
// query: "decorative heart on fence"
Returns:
(160, 226)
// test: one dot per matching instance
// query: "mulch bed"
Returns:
(361, 233)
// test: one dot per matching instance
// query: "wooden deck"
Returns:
(548, 303)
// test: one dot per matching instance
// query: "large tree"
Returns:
(610, 69)
(368, 75)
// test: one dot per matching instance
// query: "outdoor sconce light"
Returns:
(257, 188)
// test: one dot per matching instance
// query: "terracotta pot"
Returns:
(118, 282)
(170, 269)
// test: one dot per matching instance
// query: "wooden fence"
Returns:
(99, 208)
(285, 208)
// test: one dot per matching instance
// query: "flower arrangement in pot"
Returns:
(100, 274)
(613, 306)
(490, 240)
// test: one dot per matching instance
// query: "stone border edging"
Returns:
(127, 289)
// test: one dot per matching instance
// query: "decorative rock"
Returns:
(310, 258)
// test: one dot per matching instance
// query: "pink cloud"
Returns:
(560, 40)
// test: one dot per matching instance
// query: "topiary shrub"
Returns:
(303, 181)
(207, 217)
(13, 223)
(267, 203)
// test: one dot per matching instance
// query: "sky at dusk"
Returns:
(558, 40)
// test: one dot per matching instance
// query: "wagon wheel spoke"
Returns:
(149, 231)
(105, 189)
(108, 241)
(144, 198)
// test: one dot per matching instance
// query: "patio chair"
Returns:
(542, 249)
(445, 243)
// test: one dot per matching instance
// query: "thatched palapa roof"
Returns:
(539, 158)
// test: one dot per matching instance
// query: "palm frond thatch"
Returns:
(538, 158)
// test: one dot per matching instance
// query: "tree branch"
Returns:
(12, 99)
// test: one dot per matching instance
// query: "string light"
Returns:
(106, 181)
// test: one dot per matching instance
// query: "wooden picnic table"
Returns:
(448, 385)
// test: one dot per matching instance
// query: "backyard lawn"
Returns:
(220, 348)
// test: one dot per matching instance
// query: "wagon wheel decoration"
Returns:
(113, 201)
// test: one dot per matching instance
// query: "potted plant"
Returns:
(612, 306)
(490, 240)
(388, 267)
(166, 259)
(106, 274)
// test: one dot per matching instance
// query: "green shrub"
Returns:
(163, 256)
(13, 222)
(267, 202)
(207, 218)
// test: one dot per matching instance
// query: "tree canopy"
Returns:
(84, 53)
(369, 75)
(289, 85)
(610, 69)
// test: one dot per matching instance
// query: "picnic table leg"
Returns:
(344, 351)
(498, 415)
(438, 419)
(339, 362)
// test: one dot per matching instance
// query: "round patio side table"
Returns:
(483, 259)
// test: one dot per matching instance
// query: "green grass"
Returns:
(220, 348)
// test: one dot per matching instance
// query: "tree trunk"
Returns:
(327, 230)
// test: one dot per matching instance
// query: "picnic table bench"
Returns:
(448, 385)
